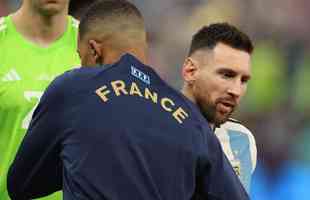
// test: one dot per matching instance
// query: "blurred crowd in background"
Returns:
(277, 105)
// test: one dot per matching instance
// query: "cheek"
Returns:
(222, 83)
(65, 2)
(203, 91)
(244, 89)
(214, 88)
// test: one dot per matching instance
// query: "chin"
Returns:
(221, 120)
(51, 10)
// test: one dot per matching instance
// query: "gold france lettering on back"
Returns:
(164, 101)
(118, 87)
(180, 115)
(102, 92)
(150, 95)
(134, 90)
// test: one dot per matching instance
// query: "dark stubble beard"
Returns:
(209, 111)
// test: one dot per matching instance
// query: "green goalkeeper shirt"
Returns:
(25, 71)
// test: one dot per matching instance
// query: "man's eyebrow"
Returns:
(233, 72)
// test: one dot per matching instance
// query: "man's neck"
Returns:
(212, 126)
(113, 56)
(39, 29)
(187, 93)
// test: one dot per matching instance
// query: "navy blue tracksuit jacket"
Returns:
(119, 132)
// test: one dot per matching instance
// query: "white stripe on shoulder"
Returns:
(2, 21)
(236, 126)
(223, 137)
(75, 22)
(2, 24)
(253, 150)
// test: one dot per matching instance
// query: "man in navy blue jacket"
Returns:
(115, 130)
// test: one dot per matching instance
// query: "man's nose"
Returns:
(236, 89)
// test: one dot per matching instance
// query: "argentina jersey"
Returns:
(239, 146)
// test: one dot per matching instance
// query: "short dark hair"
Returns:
(210, 36)
(78, 7)
(103, 10)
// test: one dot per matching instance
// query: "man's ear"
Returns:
(190, 70)
(96, 50)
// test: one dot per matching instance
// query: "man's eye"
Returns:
(245, 80)
(227, 75)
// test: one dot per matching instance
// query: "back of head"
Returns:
(209, 36)
(78, 7)
(116, 23)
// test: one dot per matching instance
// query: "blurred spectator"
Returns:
(268, 68)
(301, 95)
(3, 8)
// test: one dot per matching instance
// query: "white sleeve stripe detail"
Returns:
(253, 149)
(2, 27)
(223, 137)
(2, 21)
(75, 22)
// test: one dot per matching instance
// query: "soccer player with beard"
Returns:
(117, 130)
(216, 74)
(37, 43)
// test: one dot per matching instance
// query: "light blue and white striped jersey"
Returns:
(239, 145)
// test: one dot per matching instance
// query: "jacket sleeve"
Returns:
(37, 169)
(216, 177)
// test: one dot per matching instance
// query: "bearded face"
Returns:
(220, 82)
